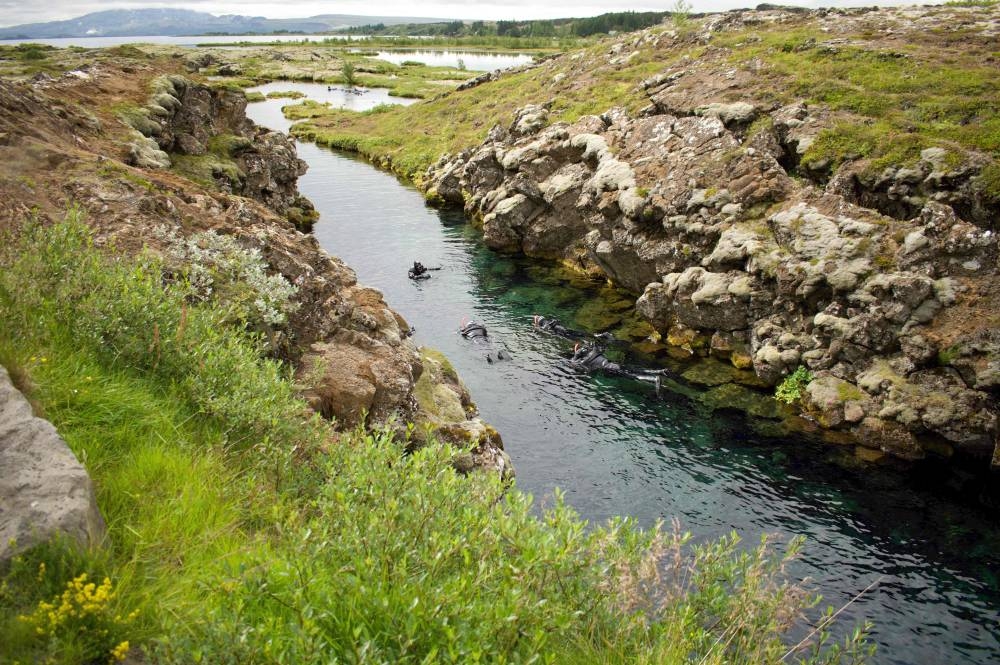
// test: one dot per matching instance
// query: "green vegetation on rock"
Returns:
(790, 390)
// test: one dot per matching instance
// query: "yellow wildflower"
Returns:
(119, 652)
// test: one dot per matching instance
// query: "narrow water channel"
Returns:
(616, 448)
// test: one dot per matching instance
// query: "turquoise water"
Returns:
(615, 447)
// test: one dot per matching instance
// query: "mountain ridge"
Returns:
(184, 22)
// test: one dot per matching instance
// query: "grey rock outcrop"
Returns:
(44, 490)
(696, 215)
(191, 119)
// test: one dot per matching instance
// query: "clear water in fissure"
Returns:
(616, 448)
(471, 60)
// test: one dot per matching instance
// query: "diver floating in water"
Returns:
(420, 271)
(553, 326)
(475, 331)
(590, 358)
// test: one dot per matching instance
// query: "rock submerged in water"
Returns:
(45, 492)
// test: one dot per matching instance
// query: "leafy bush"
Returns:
(680, 13)
(216, 267)
(790, 390)
(29, 52)
(82, 617)
(55, 283)
(53, 610)
(406, 561)
(989, 182)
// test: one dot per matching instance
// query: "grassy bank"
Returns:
(340, 66)
(409, 140)
(492, 43)
(232, 512)
(888, 97)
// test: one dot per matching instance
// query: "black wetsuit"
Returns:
(478, 334)
(418, 271)
(591, 358)
(553, 326)
(474, 330)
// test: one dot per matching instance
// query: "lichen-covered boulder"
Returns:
(44, 490)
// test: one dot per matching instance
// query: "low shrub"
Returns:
(405, 561)
(57, 288)
(790, 390)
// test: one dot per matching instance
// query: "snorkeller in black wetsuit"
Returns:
(591, 358)
(553, 326)
(478, 334)
(418, 271)
(473, 330)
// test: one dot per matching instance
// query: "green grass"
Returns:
(242, 530)
(285, 94)
(903, 101)
(890, 104)
(409, 139)
(488, 43)
(113, 170)
(189, 434)
(342, 67)
(972, 3)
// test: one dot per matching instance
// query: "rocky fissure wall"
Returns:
(353, 358)
(692, 209)
(183, 119)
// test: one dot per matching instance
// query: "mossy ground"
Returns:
(409, 141)
(901, 97)
(890, 95)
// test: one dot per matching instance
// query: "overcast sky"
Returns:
(13, 12)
